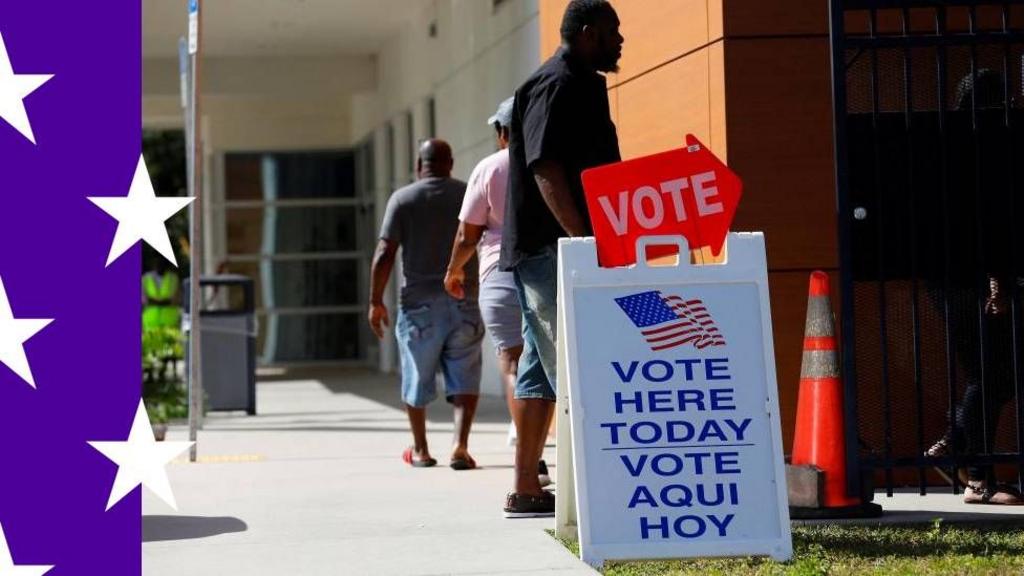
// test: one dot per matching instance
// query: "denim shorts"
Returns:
(537, 280)
(499, 305)
(439, 334)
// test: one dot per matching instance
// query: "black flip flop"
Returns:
(462, 464)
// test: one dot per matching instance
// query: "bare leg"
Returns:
(547, 427)
(531, 423)
(508, 363)
(465, 409)
(418, 424)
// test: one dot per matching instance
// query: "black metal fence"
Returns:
(929, 120)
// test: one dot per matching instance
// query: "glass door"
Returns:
(297, 223)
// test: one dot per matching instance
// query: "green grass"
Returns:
(841, 550)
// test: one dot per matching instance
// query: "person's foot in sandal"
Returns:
(461, 460)
(529, 505)
(981, 492)
(418, 459)
(941, 449)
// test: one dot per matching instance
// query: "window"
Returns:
(291, 175)
(391, 164)
(410, 140)
(298, 223)
(431, 118)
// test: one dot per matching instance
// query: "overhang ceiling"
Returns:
(278, 27)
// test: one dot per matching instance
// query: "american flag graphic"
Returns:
(670, 321)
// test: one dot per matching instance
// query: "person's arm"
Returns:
(996, 302)
(466, 240)
(554, 188)
(380, 272)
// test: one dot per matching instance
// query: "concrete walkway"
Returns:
(315, 485)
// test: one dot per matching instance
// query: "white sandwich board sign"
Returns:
(677, 448)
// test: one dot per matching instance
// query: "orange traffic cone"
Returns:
(820, 433)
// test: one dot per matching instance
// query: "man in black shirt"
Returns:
(561, 126)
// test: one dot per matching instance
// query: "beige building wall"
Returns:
(277, 103)
(462, 55)
(476, 57)
(257, 104)
(465, 56)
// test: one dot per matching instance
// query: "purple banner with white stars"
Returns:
(76, 379)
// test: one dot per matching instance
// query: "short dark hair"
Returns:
(580, 13)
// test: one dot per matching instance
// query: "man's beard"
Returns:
(610, 66)
(610, 62)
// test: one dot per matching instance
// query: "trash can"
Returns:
(227, 323)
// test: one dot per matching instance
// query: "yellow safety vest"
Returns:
(159, 311)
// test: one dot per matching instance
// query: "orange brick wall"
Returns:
(752, 80)
(671, 80)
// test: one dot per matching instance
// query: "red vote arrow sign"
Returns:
(686, 192)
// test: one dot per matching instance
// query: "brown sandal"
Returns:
(978, 492)
(529, 506)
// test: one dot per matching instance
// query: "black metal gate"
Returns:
(929, 121)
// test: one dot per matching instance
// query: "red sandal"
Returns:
(408, 459)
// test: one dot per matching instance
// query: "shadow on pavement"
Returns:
(164, 528)
(384, 389)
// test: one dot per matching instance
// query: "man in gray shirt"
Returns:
(434, 330)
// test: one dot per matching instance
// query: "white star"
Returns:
(7, 567)
(141, 460)
(13, 335)
(14, 88)
(141, 216)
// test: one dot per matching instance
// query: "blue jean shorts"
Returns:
(499, 305)
(537, 280)
(439, 334)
